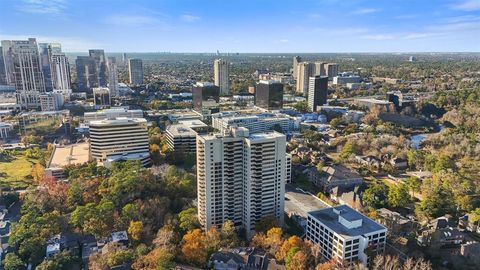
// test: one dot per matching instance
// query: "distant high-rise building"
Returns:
(101, 66)
(86, 73)
(221, 76)
(46, 50)
(317, 91)
(124, 58)
(60, 75)
(320, 69)
(296, 61)
(135, 71)
(234, 181)
(305, 71)
(331, 70)
(269, 95)
(3, 74)
(101, 97)
(112, 76)
(205, 95)
(119, 139)
(23, 70)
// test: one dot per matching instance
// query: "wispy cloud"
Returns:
(467, 5)
(364, 11)
(123, 20)
(189, 18)
(53, 7)
(379, 37)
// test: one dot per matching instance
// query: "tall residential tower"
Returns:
(221, 76)
(241, 177)
(135, 71)
(23, 70)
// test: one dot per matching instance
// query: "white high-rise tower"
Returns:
(241, 177)
(23, 70)
(221, 76)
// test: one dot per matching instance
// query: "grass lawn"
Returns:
(16, 173)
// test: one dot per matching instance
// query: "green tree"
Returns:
(302, 107)
(398, 196)
(13, 262)
(348, 149)
(413, 184)
(165, 260)
(375, 195)
(229, 235)
(188, 219)
(61, 261)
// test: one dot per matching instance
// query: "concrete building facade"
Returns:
(221, 76)
(23, 70)
(317, 92)
(241, 177)
(119, 139)
(345, 235)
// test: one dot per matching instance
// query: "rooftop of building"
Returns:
(193, 123)
(330, 218)
(69, 155)
(181, 130)
(373, 100)
(117, 121)
(340, 172)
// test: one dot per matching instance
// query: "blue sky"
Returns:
(246, 25)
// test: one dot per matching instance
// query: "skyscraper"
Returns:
(135, 71)
(3, 74)
(23, 70)
(320, 69)
(221, 76)
(331, 70)
(101, 66)
(205, 95)
(269, 95)
(112, 76)
(86, 73)
(241, 177)
(46, 50)
(60, 74)
(296, 61)
(317, 91)
(305, 71)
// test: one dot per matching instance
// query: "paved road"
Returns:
(300, 202)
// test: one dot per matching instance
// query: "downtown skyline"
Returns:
(264, 26)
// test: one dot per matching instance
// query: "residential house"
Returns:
(350, 195)
(397, 224)
(334, 176)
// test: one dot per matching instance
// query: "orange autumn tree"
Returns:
(292, 241)
(194, 248)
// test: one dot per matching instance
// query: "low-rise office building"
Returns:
(181, 139)
(119, 139)
(345, 235)
(111, 114)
